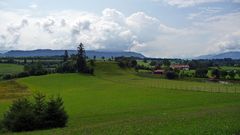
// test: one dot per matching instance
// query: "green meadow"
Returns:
(10, 68)
(228, 68)
(121, 102)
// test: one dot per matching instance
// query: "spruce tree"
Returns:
(39, 110)
(81, 59)
(65, 57)
(55, 113)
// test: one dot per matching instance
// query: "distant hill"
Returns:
(1, 52)
(232, 55)
(48, 52)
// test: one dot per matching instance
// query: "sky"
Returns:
(155, 28)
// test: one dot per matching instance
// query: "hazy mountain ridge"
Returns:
(232, 55)
(49, 52)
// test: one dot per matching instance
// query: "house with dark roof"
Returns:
(159, 71)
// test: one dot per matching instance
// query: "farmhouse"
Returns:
(159, 72)
(180, 67)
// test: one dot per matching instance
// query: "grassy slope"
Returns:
(118, 102)
(10, 68)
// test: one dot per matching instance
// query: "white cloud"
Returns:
(112, 30)
(229, 42)
(213, 34)
(188, 3)
(144, 26)
(204, 12)
(220, 24)
(33, 6)
(113, 15)
(221, 32)
(48, 25)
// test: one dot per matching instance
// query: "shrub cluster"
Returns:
(66, 67)
(35, 69)
(126, 62)
(12, 76)
(71, 67)
(24, 115)
(201, 73)
(89, 70)
(142, 67)
(171, 75)
(8, 76)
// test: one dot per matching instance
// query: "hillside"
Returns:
(232, 55)
(117, 101)
(48, 52)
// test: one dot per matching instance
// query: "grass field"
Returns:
(227, 68)
(10, 68)
(116, 102)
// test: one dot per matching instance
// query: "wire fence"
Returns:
(213, 89)
(179, 85)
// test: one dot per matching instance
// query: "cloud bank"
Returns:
(112, 30)
(191, 3)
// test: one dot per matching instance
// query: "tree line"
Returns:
(77, 63)
(198, 68)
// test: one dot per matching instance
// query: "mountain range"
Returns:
(232, 55)
(49, 52)
(106, 54)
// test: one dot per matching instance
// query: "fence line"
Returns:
(163, 84)
(204, 88)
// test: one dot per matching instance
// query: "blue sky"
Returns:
(156, 28)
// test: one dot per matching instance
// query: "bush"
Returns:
(20, 116)
(133, 63)
(55, 114)
(39, 110)
(89, 70)
(35, 69)
(201, 73)
(92, 63)
(2, 129)
(121, 64)
(40, 72)
(24, 115)
(216, 73)
(153, 63)
(171, 75)
(23, 74)
(223, 74)
(67, 67)
(126, 62)
(8, 76)
(232, 74)
(1, 125)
